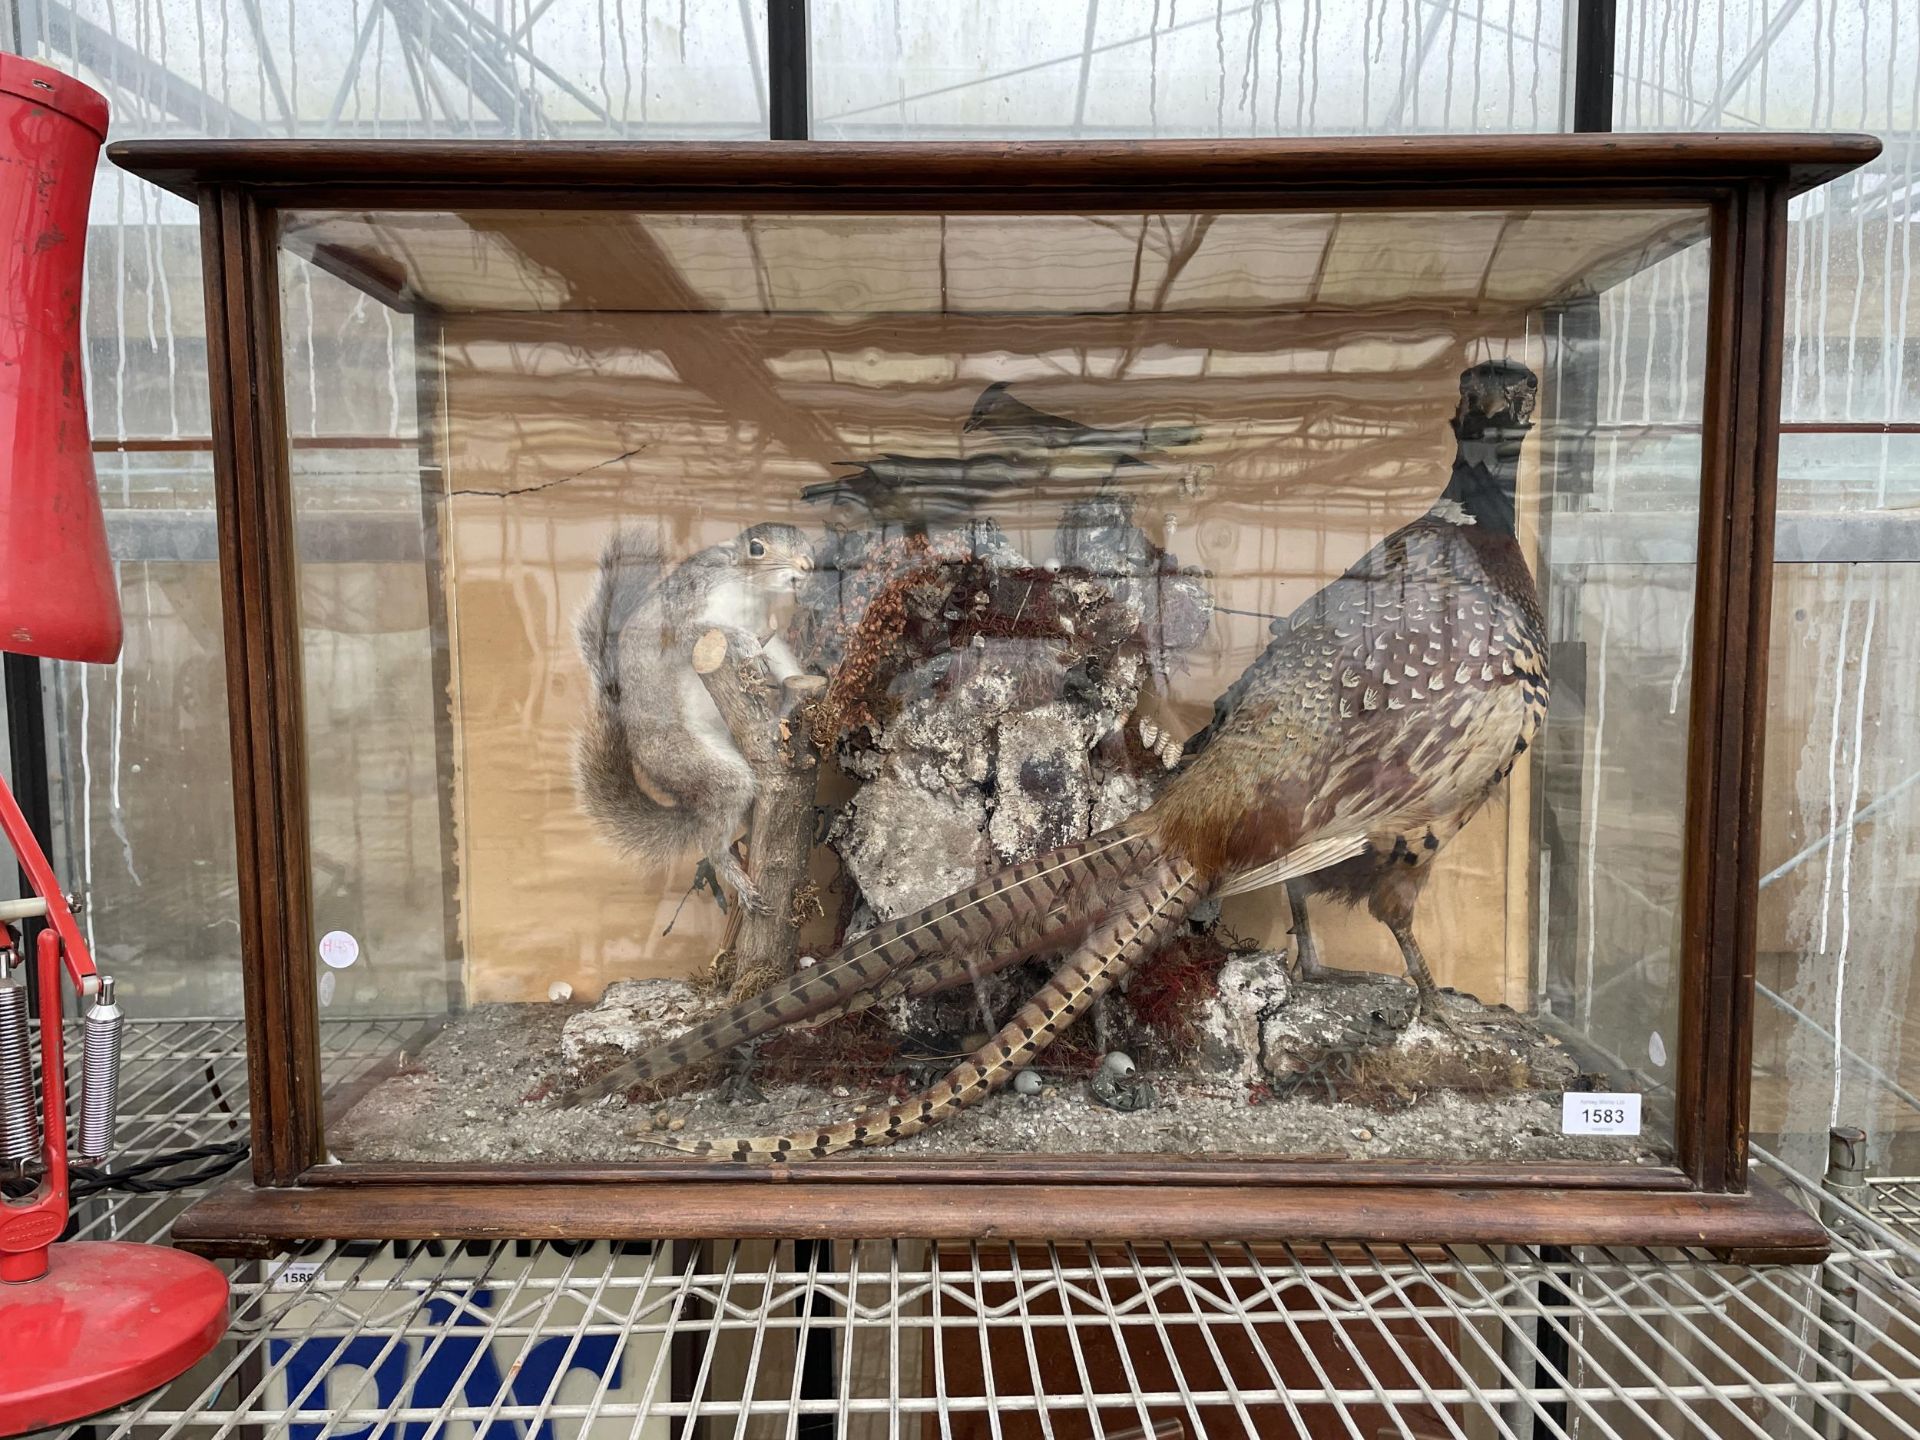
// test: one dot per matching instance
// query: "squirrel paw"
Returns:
(735, 878)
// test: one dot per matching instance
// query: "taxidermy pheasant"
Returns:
(1377, 722)
(1415, 634)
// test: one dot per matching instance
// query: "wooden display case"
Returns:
(690, 333)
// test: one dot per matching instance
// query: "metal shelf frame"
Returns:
(1070, 1339)
(1896, 1205)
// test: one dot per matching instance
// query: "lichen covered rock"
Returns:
(1252, 990)
(1043, 780)
(632, 1015)
(977, 691)
(912, 838)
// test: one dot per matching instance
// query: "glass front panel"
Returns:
(995, 686)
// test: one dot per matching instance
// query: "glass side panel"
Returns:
(1211, 685)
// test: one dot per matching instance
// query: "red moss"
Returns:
(907, 582)
(1172, 990)
(1074, 1055)
(857, 1051)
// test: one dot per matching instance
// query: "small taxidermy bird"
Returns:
(929, 489)
(1031, 449)
(653, 762)
(1375, 724)
(1013, 423)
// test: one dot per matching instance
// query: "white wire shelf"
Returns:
(1896, 1204)
(183, 1083)
(377, 1341)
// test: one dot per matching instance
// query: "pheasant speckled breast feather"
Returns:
(1392, 703)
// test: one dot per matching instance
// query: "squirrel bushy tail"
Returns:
(637, 821)
(631, 566)
(603, 771)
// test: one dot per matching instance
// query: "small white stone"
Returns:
(559, 992)
(1027, 1083)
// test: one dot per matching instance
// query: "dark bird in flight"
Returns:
(929, 489)
(1011, 422)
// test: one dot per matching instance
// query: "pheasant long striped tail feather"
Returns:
(1146, 914)
(1012, 913)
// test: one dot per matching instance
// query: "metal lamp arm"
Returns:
(74, 954)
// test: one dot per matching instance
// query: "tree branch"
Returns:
(768, 723)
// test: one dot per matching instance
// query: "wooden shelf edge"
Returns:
(244, 1221)
(1323, 1172)
(1274, 164)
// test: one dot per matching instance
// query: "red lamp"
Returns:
(84, 1325)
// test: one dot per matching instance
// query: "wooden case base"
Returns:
(242, 1220)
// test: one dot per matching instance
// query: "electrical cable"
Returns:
(137, 1178)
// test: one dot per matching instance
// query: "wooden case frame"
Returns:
(1744, 181)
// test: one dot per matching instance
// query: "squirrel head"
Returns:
(772, 556)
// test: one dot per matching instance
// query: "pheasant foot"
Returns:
(1433, 1010)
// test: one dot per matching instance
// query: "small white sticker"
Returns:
(339, 949)
(1585, 1113)
(327, 979)
(295, 1274)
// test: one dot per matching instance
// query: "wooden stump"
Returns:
(768, 723)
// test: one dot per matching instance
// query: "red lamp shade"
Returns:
(57, 593)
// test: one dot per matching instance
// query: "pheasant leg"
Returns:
(1307, 964)
(1306, 955)
(1431, 1008)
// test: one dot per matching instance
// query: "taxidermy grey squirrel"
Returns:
(653, 762)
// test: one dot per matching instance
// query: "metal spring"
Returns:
(19, 1115)
(100, 1076)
